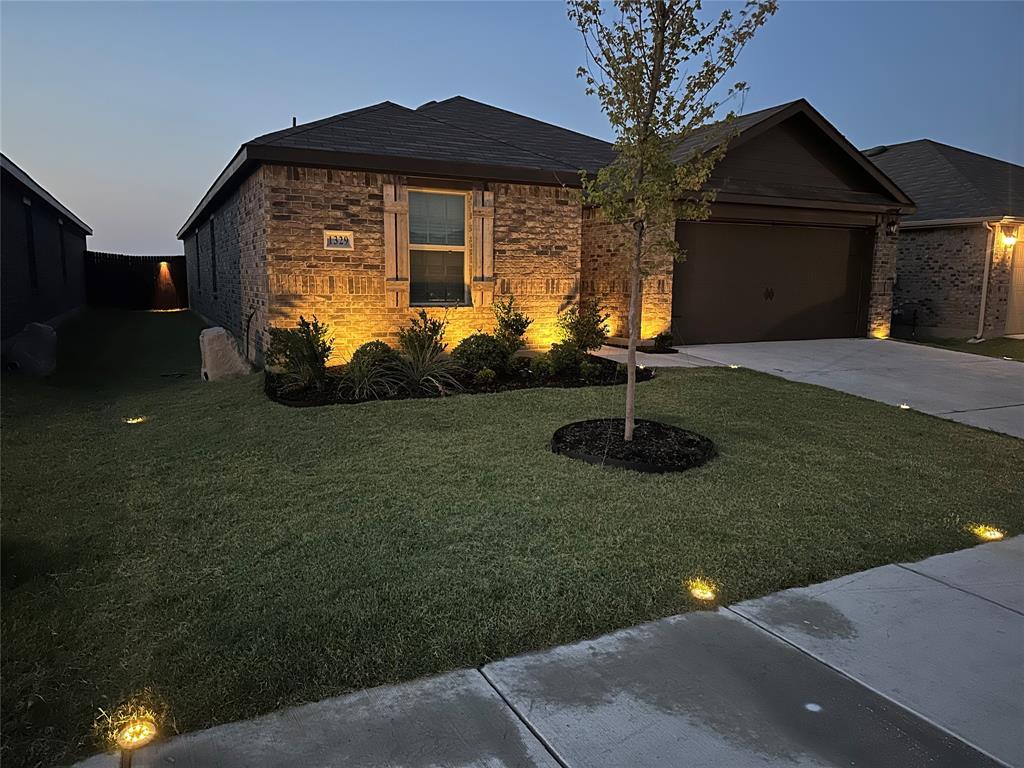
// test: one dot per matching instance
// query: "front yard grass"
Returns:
(1003, 347)
(236, 556)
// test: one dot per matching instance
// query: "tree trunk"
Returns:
(634, 332)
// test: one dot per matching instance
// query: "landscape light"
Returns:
(904, 406)
(733, 366)
(987, 532)
(702, 589)
(133, 419)
(135, 733)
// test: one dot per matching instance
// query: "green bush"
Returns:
(511, 324)
(479, 351)
(591, 371)
(423, 333)
(425, 370)
(663, 341)
(584, 325)
(540, 367)
(485, 378)
(373, 354)
(372, 373)
(519, 366)
(302, 353)
(566, 359)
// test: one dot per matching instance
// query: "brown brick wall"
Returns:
(939, 276)
(607, 249)
(536, 256)
(1000, 279)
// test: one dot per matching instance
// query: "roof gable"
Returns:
(12, 168)
(951, 183)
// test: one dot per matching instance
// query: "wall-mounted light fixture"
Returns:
(1008, 233)
(892, 226)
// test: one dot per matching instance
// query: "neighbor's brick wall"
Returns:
(536, 256)
(939, 276)
(883, 276)
(607, 249)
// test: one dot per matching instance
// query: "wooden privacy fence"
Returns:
(135, 282)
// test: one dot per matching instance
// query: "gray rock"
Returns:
(33, 351)
(221, 357)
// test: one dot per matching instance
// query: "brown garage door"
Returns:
(753, 282)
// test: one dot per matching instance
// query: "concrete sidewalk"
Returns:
(907, 665)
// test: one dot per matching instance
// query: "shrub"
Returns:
(485, 378)
(422, 334)
(373, 354)
(540, 367)
(479, 351)
(302, 352)
(511, 324)
(425, 370)
(663, 341)
(519, 366)
(372, 373)
(591, 371)
(566, 359)
(584, 325)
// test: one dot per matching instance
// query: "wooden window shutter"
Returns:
(483, 248)
(396, 244)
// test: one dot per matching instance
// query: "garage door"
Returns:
(752, 282)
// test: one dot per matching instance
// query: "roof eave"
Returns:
(22, 176)
(960, 222)
(832, 205)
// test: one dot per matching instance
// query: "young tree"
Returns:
(657, 68)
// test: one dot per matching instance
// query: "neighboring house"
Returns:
(960, 269)
(367, 216)
(42, 251)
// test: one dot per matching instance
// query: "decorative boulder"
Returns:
(221, 358)
(33, 351)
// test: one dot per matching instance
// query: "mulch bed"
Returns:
(655, 447)
(611, 374)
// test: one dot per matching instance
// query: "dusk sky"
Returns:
(126, 112)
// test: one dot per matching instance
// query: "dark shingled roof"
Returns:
(951, 183)
(708, 136)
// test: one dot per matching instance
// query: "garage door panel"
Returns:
(761, 283)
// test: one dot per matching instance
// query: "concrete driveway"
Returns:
(982, 391)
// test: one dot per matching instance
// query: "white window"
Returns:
(438, 247)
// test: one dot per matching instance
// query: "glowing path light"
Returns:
(134, 734)
(702, 589)
(987, 532)
(133, 419)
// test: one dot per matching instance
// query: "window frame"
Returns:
(466, 247)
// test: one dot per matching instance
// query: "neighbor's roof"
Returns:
(950, 183)
(12, 168)
(455, 138)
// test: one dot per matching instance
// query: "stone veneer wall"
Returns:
(1000, 279)
(536, 256)
(939, 274)
(883, 277)
(607, 249)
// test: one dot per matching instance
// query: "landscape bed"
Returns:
(234, 556)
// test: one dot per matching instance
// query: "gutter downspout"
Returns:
(989, 245)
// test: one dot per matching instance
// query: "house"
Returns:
(42, 253)
(960, 263)
(364, 217)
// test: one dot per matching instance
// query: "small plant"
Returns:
(426, 371)
(479, 351)
(540, 367)
(373, 354)
(373, 373)
(584, 325)
(566, 359)
(591, 371)
(511, 324)
(663, 341)
(422, 334)
(485, 378)
(302, 353)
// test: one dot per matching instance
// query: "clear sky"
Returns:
(127, 111)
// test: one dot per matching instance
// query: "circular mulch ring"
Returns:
(655, 447)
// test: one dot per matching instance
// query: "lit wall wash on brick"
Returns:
(523, 240)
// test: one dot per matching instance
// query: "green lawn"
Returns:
(237, 556)
(1000, 347)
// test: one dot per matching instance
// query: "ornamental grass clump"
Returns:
(424, 367)
(302, 354)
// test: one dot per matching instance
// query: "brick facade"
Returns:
(605, 277)
(276, 265)
(939, 277)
